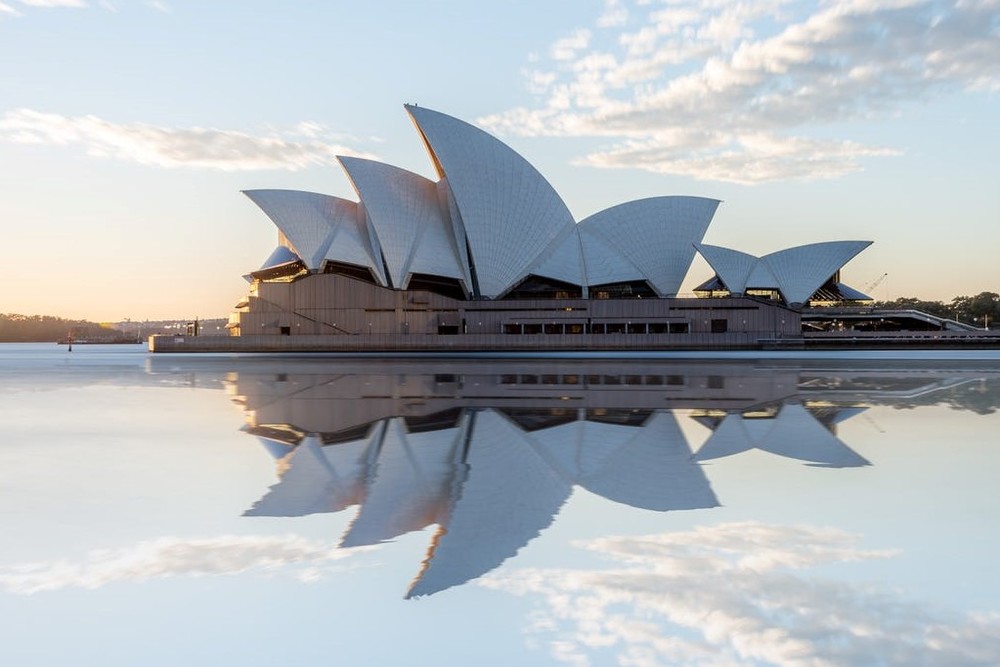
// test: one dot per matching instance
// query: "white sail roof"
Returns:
(508, 211)
(404, 211)
(731, 266)
(802, 270)
(796, 272)
(656, 234)
(319, 227)
(306, 219)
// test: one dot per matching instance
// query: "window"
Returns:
(678, 327)
(720, 326)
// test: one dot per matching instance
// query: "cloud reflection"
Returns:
(292, 555)
(736, 594)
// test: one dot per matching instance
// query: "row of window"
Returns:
(518, 328)
(713, 381)
(593, 379)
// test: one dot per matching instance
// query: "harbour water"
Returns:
(744, 510)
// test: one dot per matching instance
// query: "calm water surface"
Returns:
(259, 511)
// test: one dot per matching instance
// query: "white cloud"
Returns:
(308, 144)
(567, 47)
(54, 3)
(615, 14)
(8, 10)
(742, 594)
(761, 77)
(174, 556)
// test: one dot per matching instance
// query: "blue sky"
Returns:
(127, 129)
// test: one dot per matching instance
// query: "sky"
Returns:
(129, 128)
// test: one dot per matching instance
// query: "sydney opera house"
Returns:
(489, 257)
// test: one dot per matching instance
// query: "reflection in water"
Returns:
(490, 455)
(491, 479)
(741, 594)
(176, 556)
(804, 432)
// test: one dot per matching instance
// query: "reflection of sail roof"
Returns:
(793, 433)
(581, 447)
(276, 448)
(657, 235)
(797, 434)
(508, 211)
(319, 227)
(408, 486)
(404, 210)
(318, 479)
(654, 470)
(509, 496)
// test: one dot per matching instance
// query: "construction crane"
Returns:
(875, 283)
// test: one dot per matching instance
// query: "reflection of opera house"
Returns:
(490, 455)
(488, 256)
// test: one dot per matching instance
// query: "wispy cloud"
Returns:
(567, 47)
(737, 91)
(741, 594)
(173, 556)
(54, 3)
(308, 144)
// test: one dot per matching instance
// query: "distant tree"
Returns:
(982, 309)
(913, 303)
(16, 328)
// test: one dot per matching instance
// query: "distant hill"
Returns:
(16, 328)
